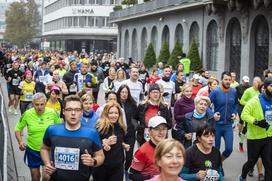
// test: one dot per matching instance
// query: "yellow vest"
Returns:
(28, 91)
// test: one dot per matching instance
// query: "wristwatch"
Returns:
(95, 162)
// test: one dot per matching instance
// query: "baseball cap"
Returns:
(245, 79)
(196, 76)
(54, 88)
(156, 121)
(267, 82)
(154, 87)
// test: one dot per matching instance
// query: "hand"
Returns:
(233, 116)
(105, 143)
(126, 147)
(22, 146)
(201, 174)
(49, 168)
(188, 136)
(112, 140)
(262, 123)
(216, 116)
(87, 159)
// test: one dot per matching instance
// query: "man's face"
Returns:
(93, 67)
(154, 95)
(134, 73)
(39, 105)
(233, 76)
(180, 76)
(83, 68)
(257, 82)
(72, 113)
(226, 81)
(166, 72)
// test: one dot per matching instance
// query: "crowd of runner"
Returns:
(160, 124)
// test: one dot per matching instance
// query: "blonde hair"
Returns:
(184, 87)
(104, 124)
(121, 70)
(165, 146)
(204, 98)
(87, 96)
(85, 91)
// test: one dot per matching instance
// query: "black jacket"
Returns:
(164, 111)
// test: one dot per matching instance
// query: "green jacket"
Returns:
(251, 112)
(248, 94)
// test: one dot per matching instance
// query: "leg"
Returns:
(100, 173)
(16, 101)
(266, 158)
(117, 174)
(218, 134)
(260, 166)
(228, 138)
(129, 154)
(35, 174)
(253, 151)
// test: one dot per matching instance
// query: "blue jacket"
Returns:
(89, 121)
(224, 102)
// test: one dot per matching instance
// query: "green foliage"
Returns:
(150, 56)
(117, 7)
(177, 51)
(146, 0)
(164, 53)
(193, 55)
(22, 22)
(129, 2)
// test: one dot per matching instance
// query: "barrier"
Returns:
(3, 141)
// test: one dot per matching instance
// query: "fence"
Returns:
(3, 141)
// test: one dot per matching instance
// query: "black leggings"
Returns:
(129, 154)
(104, 173)
(24, 105)
(255, 149)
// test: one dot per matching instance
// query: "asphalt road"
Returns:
(232, 166)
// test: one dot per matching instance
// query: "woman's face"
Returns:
(120, 75)
(124, 94)
(155, 73)
(201, 106)
(206, 141)
(29, 77)
(112, 72)
(53, 95)
(56, 76)
(172, 162)
(188, 92)
(88, 105)
(213, 85)
(112, 97)
(113, 115)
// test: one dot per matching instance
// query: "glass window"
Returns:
(70, 21)
(76, 21)
(82, 21)
(91, 1)
(91, 21)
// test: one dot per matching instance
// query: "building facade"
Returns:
(231, 35)
(79, 25)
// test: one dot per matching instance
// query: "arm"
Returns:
(18, 129)
(45, 154)
(99, 157)
(246, 113)
(244, 98)
(184, 174)
(137, 176)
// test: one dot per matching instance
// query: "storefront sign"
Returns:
(82, 11)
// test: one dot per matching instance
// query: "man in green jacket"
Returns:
(258, 114)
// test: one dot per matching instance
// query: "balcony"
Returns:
(153, 7)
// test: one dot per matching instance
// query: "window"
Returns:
(76, 21)
(90, 21)
(82, 21)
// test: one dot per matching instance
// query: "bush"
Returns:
(164, 53)
(177, 51)
(150, 56)
(193, 55)
(129, 2)
(117, 8)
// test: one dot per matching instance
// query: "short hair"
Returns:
(166, 66)
(204, 98)
(87, 96)
(165, 146)
(204, 129)
(108, 93)
(71, 98)
(179, 72)
(225, 73)
(211, 80)
(39, 95)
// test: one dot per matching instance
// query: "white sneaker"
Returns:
(10, 109)
(15, 112)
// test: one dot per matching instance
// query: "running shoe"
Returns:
(10, 109)
(250, 173)
(241, 179)
(261, 177)
(15, 112)
(241, 148)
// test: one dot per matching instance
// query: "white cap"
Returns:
(196, 76)
(245, 79)
(156, 121)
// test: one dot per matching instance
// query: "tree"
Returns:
(22, 22)
(129, 2)
(164, 53)
(150, 56)
(117, 7)
(177, 51)
(193, 55)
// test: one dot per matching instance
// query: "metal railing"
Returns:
(150, 6)
(3, 140)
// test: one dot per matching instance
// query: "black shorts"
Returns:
(15, 90)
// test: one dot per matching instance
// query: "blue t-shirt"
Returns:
(267, 107)
(66, 150)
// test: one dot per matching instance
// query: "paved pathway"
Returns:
(232, 166)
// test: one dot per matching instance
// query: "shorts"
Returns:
(14, 90)
(32, 158)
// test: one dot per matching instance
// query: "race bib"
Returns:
(193, 137)
(268, 116)
(28, 96)
(212, 175)
(15, 82)
(73, 88)
(146, 134)
(67, 158)
(42, 79)
(80, 83)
